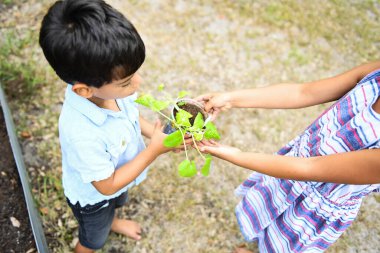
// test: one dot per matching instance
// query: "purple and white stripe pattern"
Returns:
(297, 216)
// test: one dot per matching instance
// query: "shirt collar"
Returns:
(86, 107)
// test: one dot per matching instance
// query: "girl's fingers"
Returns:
(208, 143)
(209, 107)
(204, 149)
(200, 144)
(189, 141)
(210, 150)
(203, 143)
(202, 98)
(214, 142)
(215, 114)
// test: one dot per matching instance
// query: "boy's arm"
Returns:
(131, 170)
(357, 167)
(290, 95)
(146, 127)
(126, 173)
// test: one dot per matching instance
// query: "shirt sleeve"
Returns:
(91, 159)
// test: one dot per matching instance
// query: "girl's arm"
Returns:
(358, 167)
(290, 95)
(146, 127)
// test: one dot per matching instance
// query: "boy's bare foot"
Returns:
(126, 227)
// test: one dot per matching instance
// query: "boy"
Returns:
(97, 51)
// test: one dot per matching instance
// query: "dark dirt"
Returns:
(192, 109)
(12, 202)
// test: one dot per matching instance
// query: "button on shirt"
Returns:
(95, 142)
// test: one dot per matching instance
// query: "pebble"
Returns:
(15, 222)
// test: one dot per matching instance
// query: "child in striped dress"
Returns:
(305, 196)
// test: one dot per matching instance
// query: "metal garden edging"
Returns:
(34, 217)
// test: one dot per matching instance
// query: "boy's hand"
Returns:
(157, 139)
(218, 150)
(215, 102)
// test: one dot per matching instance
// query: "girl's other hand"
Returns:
(215, 102)
(214, 148)
(188, 142)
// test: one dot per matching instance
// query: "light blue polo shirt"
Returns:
(94, 143)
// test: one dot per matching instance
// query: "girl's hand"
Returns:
(218, 150)
(188, 142)
(215, 102)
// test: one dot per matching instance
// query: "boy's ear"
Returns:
(82, 90)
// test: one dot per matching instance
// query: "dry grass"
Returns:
(205, 46)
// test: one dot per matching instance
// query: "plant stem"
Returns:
(183, 140)
(182, 134)
(176, 107)
(165, 116)
(196, 147)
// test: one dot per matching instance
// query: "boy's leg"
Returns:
(94, 224)
(121, 200)
(128, 228)
(79, 248)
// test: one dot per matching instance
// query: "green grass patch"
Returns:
(18, 71)
(7, 2)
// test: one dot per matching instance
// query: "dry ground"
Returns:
(205, 46)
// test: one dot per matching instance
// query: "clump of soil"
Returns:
(193, 109)
(15, 229)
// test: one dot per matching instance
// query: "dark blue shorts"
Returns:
(95, 220)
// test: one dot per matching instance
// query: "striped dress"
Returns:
(297, 216)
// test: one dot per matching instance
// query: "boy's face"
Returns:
(118, 89)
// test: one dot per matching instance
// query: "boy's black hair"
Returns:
(88, 41)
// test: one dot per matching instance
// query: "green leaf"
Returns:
(198, 136)
(206, 167)
(185, 113)
(145, 100)
(161, 87)
(211, 132)
(182, 94)
(173, 140)
(198, 122)
(159, 105)
(187, 168)
(150, 102)
(182, 118)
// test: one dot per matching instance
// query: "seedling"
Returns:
(186, 119)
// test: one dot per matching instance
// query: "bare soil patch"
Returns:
(15, 229)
